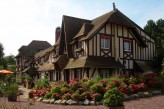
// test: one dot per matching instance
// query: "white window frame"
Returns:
(127, 46)
(105, 43)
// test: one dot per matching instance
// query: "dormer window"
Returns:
(128, 45)
(79, 45)
(105, 42)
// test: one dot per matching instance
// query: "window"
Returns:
(105, 42)
(104, 73)
(79, 44)
(127, 45)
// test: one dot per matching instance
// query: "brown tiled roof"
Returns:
(34, 47)
(46, 67)
(22, 47)
(70, 27)
(61, 62)
(113, 17)
(93, 61)
(30, 70)
(43, 52)
(84, 30)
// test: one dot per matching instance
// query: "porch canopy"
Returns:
(93, 61)
(46, 67)
(30, 70)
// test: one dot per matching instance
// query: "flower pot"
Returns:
(117, 107)
(12, 98)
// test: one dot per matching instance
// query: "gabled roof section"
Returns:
(84, 30)
(43, 52)
(34, 47)
(22, 48)
(70, 27)
(115, 17)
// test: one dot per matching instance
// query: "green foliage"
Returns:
(156, 30)
(55, 89)
(43, 83)
(113, 98)
(1, 50)
(12, 89)
(3, 63)
(1, 90)
(66, 96)
(97, 97)
(48, 95)
(10, 60)
(75, 96)
(97, 88)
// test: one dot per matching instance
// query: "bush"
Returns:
(97, 97)
(87, 95)
(55, 96)
(97, 88)
(55, 89)
(12, 89)
(75, 96)
(113, 98)
(1, 91)
(65, 90)
(48, 95)
(80, 90)
(66, 96)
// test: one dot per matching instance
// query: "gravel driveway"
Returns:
(156, 102)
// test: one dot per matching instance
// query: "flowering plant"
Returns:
(87, 95)
(80, 90)
(124, 89)
(75, 96)
(134, 88)
(56, 96)
(96, 97)
(66, 96)
(97, 88)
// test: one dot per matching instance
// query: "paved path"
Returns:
(25, 91)
(156, 102)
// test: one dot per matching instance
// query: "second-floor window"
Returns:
(127, 45)
(105, 42)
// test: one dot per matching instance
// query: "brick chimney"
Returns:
(57, 33)
(114, 8)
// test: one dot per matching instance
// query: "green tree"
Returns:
(1, 51)
(156, 31)
(3, 63)
(10, 59)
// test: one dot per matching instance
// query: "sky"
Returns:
(22, 21)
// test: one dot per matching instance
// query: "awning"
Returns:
(46, 67)
(30, 70)
(93, 61)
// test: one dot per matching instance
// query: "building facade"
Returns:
(109, 44)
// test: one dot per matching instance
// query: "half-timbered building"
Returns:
(111, 43)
